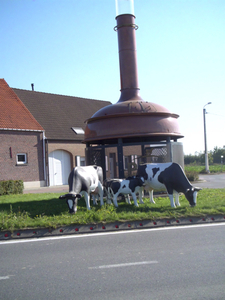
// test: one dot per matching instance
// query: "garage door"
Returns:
(59, 167)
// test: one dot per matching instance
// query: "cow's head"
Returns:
(140, 181)
(71, 200)
(191, 195)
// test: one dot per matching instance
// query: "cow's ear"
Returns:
(78, 196)
(62, 197)
(196, 189)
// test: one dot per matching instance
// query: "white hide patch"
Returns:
(195, 197)
(153, 181)
(70, 203)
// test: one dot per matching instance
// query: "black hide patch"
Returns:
(174, 178)
(134, 182)
(115, 186)
(154, 171)
(141, 172)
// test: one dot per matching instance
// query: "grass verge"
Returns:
(47, 211)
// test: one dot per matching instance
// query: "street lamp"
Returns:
(206, 151)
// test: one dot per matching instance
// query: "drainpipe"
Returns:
(44, 156)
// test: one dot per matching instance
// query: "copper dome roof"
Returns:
(130, 119)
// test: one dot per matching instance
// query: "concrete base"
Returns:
(34, 184)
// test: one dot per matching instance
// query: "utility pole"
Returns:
(205, 139)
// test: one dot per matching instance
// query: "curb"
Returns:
(115, 226)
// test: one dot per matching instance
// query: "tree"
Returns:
(217, 153)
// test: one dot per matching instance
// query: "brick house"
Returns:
(63, 119)
(41, 135)
(21, 140)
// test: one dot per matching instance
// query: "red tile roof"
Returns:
(58, 113)
(13, 113)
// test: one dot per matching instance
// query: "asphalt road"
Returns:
(211, 181)
(164, 263)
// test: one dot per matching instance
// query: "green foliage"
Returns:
(192, 175)
(217, 153)
(8, 187)
(48, 211)
(214, 157)
(198, 159)
(216, 168)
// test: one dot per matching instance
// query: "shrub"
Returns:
(11, 187)
(192, 175)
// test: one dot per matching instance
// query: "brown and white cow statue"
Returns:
(170, 177)
(84, 181)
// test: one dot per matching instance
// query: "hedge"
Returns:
(11, 187)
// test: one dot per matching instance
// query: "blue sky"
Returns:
(69, 47)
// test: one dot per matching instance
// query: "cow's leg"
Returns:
(140, 194)
(115, 200)
(177, 203)
(100, 191)
(135, 199)
(151, 196)
(171, 200)
(107, 194)
(127, 198)
(170, 194)
(110, 195)
(109, 198)
(87, 200)
(95, 199)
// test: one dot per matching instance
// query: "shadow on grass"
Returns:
(56, 207)
(49, 207)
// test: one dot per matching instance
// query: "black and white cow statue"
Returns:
(108, 192)
(84, 181)
(170, 177)
(132, 185)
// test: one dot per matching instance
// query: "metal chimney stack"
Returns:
(127, 57)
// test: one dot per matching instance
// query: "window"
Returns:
(125, 162)
(78, 130)
(80, 161)
(21, 158)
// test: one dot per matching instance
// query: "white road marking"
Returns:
(5, 277)
(125, 265)
(108, 233)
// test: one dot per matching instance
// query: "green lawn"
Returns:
(47, 211)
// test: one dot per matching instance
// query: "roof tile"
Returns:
(58, 113)
(13, 113)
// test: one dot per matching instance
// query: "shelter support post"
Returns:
(120, 158)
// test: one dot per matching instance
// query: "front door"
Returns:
(59, 167)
